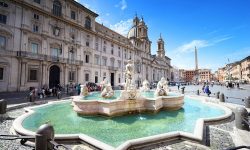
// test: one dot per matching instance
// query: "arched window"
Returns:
(57, 8)
(87, 23)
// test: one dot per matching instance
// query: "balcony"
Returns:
(112, 68)
(29, 55)
(8, 53)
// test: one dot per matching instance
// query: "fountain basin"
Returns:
(120, 106)
(122, 132)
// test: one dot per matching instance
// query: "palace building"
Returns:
(51, 42)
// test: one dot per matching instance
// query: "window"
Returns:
(34, 48)
(97, 60)
(55, 52)
(104, 61)
(119, 64)
(119, 53)
(3, 18)
(112, 51)
(112, 62)
(2, 41)
(56, 31)
(104, 48)
(73, 15)
(37, 1)
(87, 58)
(119, 78)
(35, 28)
(96, 77)
(96, 46)
(104, 75)
(87, 23)
(86, 77)
(87, 43)
(72, 54)
(36, 16)
(3, 4)
(71, 76)
(33, 75)
(1, 73)
(57, 8)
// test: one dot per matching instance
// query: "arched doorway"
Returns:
(54, 76)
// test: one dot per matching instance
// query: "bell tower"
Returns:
(161, 50)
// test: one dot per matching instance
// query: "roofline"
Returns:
(84, 8)
(112, 30)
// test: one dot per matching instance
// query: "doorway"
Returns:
(112, 79)
(54, 76)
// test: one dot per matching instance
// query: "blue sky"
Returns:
(219, 28)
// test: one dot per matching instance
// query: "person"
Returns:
(178, 85)
(78, 89)
(207, 91)
(203, 88)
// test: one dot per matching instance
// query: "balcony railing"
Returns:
(25, 54)
(8, 53)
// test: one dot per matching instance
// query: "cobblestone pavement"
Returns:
(5, 126)
(218, 137)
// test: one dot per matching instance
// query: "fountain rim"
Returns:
(197, 135)
(117, 99)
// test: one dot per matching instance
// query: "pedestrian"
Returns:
(78, 89)
(207, 91)
(178, 85)
(203, 88)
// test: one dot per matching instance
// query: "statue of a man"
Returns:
(128, 74)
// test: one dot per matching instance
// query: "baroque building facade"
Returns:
(51, 42)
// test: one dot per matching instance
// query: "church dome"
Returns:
(132, 32)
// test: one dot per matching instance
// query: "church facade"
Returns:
(51, 42)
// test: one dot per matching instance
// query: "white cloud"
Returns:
(189, 47)
(122, 4)
(122, 27)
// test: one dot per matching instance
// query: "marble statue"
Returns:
(128, 75)
(130, 92)
(84, 90)
(107, 91)
(145, 86)
(162, 87)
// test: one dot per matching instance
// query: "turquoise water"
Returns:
(114, 131)
(97, 95)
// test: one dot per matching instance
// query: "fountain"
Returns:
(129, 100)
(121, 131)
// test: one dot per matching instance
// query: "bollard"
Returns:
(3, 106)
(198, 92)
(247, 102)
(241, 113)
(222, 97)
(218, 95)
(44, 135)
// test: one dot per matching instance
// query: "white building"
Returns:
(50, 42)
